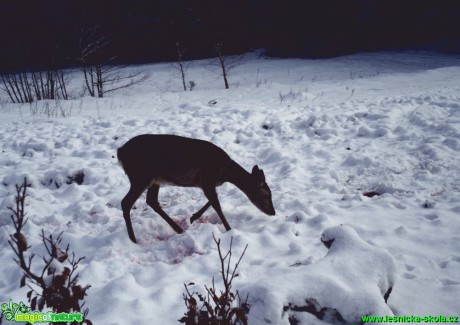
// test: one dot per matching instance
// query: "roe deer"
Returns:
(150, 160)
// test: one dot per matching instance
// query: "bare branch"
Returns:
(180, 54)
(59, 289)
(217, 308)
(18, 247)
(226, 62)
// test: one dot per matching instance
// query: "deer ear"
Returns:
(262, 176)
(258, 173)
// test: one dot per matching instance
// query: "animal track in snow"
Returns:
(449, 282)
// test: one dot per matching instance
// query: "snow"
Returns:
(351, 279)
(325, 132)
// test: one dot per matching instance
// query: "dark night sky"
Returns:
(37, 34)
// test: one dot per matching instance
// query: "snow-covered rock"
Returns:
(353, 279)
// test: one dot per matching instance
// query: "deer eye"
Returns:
(264, 188)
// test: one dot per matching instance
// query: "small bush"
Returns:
(218, 307)
(56, 286)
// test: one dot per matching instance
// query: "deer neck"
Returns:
(238, 176)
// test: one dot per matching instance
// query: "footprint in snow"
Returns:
(431, 217)
(130, 122)
(445, 263)
(449, 282)
(409, 276)
(456, 259)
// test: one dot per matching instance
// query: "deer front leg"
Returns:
(200, 212)
(210, 193)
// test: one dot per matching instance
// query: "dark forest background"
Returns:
(38, 34)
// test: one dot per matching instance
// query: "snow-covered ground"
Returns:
(324, 131)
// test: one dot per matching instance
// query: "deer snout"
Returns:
(265, 206)
(270, 210)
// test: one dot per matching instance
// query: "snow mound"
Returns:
(352, 280)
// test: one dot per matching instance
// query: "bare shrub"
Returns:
(26, 87)
(182, 66)
(56, 286)
(102, 74)
(17, 86)
(226, 62)
(217, 306)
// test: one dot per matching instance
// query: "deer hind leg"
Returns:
(127, 203)
(211, 194)
(200, 212)
(152, 200)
